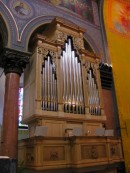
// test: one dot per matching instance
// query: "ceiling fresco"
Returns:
(82, 8)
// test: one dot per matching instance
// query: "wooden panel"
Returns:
(91, 128)
(55, 128)
(114, 150)
(72, 125)
(31, 131)
(26, 103)
(30, 155)
(21, 154)
(48, 152)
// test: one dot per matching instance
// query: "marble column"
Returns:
(13, 63)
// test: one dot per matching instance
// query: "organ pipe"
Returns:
(72, 80)
(49, 86)
(93, 94)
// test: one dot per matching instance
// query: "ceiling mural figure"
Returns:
(83, 8)
(21, 9)
(119, 17)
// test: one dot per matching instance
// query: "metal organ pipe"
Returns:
(49, 88)
(72, 81)
(93, 95)
(48, 82)
(43, 86)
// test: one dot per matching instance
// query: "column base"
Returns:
(7, 165)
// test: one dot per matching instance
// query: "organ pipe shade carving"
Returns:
(49, 85)
(72, 80)
(93, 94)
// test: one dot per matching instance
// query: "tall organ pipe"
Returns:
(93, 95)
(43, 86)
(72, 81)
(49, 88)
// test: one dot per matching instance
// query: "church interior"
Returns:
(64, 81)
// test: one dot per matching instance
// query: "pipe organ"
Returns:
(62, 83)
(73, 99)
(49, 85)
(62, 94)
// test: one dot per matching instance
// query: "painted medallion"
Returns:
(21, 9)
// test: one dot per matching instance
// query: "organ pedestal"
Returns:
(62, 90)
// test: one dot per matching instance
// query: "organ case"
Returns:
(62, 87)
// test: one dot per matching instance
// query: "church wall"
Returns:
(118, 36)
(2, 83)
(35, 14)
(109, 109)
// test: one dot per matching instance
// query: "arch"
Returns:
(3, 33)
(92, 43)
(31, 26)
(104, 37)
(8, 27)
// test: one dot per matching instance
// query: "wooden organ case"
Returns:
(63, 104)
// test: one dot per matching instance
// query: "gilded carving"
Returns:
(114, 150)
(29, 157)
(78, 42)
(93, 151)
(45, 52)
(59, 52)
(39, 50)
(54, 155)
(39, 122)
(87, 65)
(61, 36)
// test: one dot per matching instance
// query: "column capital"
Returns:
(14, 61)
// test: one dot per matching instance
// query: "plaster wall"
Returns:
(2, 85)
(118, 43)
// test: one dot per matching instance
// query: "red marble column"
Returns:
(10, 116)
